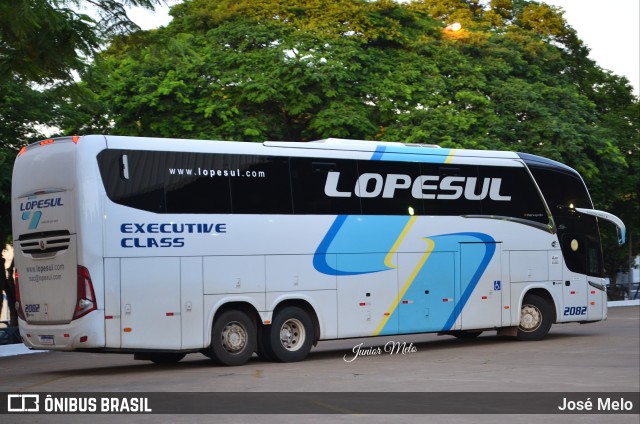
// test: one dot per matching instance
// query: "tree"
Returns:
(42, 44)
(45, 40)
(516, 77)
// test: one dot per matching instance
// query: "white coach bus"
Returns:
(162, 247)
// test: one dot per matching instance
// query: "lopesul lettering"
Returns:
(370, 185)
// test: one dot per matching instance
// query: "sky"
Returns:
(610, 28)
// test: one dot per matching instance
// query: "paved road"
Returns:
(599, 357)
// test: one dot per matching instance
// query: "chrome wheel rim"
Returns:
(530, 318)
(292, 334)
(234, 337)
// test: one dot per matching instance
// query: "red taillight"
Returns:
(86, 297)
(18, 301)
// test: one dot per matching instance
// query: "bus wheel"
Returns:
(465, 334)
(535, 318)
(233, 338)
(290, 336)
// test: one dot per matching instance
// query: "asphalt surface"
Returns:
(595, 358)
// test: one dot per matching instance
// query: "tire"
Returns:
(290, 336)
(466, 334)
(233, 338)
(536, 317)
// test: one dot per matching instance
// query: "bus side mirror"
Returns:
(620, 228)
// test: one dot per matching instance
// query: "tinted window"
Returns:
(205, 190)
(516, 185)
(143, 185)
(444, 189)
(180, 182)
(564, 191)
(312, 179)
(561, 190)
(385, 188)
(260, 184)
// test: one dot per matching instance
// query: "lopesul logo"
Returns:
(33, 218)
(29, 212)
(371, 185)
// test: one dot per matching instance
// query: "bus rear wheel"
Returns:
(233, 338)
(289, 337)
(536, 317)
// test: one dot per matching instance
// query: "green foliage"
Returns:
(516, 77)
(45, 40)
(42, 43)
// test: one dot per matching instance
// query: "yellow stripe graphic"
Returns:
(388, 260)
(449, 158)
(412, 277)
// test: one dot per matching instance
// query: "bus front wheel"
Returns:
(290, 336)
(536, 318)
(233, 338)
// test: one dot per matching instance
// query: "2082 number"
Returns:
(575, 310)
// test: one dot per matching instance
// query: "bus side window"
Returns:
(196, 183)
(309, 184)
(387, 188)
(141, 186)
(512, 194)
(260, 184)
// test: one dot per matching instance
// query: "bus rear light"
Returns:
(19, 308)
(83, 339)
(86, 297)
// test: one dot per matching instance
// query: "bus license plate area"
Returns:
(46, 340)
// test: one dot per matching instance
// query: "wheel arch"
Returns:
(305, 306)
(243, 305)
(546, 295)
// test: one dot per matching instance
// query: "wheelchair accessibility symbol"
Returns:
(497, 286)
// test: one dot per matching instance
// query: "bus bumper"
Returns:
(83, 333)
